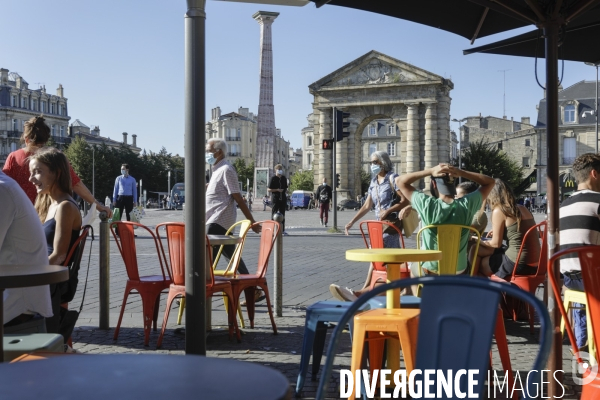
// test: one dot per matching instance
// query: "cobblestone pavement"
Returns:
(313, 258)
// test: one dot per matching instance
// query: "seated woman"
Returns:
(510, 222)
(59, 215)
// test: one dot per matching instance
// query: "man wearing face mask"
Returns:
(125, 192)
(222, 194)
(278, 187)
(324, 195)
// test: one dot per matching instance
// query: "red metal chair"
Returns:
(374, 240)
(590, 271)
(148, 287)
(530, 283)
(175, 232)
(248, 283)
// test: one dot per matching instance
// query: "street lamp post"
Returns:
(169, 190)
(94, 171)
(596, 102)
(460, 121)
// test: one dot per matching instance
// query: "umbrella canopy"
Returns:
(576, 45)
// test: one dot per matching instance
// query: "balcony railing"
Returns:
(230, 154)
(568, 160)
(13, 134)
(233, 139)
(61, 140)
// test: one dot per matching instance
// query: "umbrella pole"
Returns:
(551, 28)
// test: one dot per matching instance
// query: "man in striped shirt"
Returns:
(580, 225)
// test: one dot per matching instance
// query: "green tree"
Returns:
(365, 181)
(487, 159)
(304, 180)
(245, 172)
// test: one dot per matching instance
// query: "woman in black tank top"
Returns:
(59, 215)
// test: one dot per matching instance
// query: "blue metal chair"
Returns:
(315, 329)
(457, 320)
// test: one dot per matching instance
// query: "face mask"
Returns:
(375, 168)
(279, 172)
(324, 183)
(210, 158)
(123, 172)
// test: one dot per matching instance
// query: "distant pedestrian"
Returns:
(324, 194)
(278, 187)
(125, 192)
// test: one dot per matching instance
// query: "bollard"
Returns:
(278, 273)
(104, 275)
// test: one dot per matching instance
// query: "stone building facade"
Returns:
(92, 136)
(19, 103)
(238, 129)
(404, 104)
(308, 143)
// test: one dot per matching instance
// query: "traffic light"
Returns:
(337, 180)
(341, 123)
(327, 144)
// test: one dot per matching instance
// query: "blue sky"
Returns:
(122, 62)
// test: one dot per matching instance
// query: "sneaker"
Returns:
(340, 293)
(321, 222)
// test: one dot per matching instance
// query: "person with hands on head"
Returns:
(442, 208)
(381, 194)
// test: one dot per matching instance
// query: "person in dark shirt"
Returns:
(278, 187)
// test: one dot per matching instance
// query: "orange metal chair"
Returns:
(248, 283)
(590, 271)
(148, 287)
(374, 240)
(175, 232)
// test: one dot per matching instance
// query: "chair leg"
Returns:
(170, 299)
(266, 290)
(531, 313)
(239, 311)
(249, 292)
(181, 309)
(376, 350)
(148, 303)
(156, 308)
(311, 327)
(317, 348)
(358, 342)
(502, 343)
(125, 296)
(408, 341)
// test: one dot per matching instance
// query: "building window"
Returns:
(24, 102)
(52, 106)
(569, 150)
(43, 106)
(372, 130)
(309, 159)
(392, 130)
(13, 101)
(499, 145)
(372, 148)
(570, 113)
(391, 148)
(53, 130)
(525, 162)
(62, 131)
(309, 139)
(60, 109)
(34, 105)
(527, 142)
(15, 124)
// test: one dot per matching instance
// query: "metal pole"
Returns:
(195, 274)
(596, 112)
(169, 190)
(459, 149)
(104, 271)
(333, 177)
(278, 273)
(94, 172)
(551, 34)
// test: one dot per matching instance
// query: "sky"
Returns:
(121, 62)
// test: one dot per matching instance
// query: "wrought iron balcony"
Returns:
(233, 139)
(13, 134)
(230, 154)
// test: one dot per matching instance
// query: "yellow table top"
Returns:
(392, 255)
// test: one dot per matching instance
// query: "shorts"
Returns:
(502, 266)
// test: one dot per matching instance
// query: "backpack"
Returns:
(323, 196)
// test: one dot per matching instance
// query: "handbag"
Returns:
(136, 214)
(393, 217)
(411, 221)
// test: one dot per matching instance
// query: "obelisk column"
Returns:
(412, 138)
(431, 151)
(265, 127)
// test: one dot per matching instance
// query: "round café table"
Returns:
(16, 276)
(393, 258)
(148, 377)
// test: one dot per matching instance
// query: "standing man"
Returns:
(125, 192)
(324, 194)
(278, 188)
(579, 226)
(222, 193)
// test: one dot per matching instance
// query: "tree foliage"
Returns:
(245, 172)
(304, 180)
(487, 159)
(365, 181)
(104, 163)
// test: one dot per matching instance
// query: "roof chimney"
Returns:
(133, 138)
(3, 76)
(124, 137)
(60, 91)
(525, 120)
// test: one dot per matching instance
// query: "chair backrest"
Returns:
(268, 235)
(456, 324)
(590, 271)
(234, 261)
(542, 264)
(448, 242)
(76, 252)
(175, 233)
(375, 231)
(126, 244)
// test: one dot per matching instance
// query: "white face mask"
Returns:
(279, 172)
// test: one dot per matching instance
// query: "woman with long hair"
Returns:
(58, 212)
(510, 222)
(35, 136)
(380, 195)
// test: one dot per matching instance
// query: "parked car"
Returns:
(348, 204)
(300, 199)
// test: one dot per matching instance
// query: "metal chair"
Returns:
(455, 329)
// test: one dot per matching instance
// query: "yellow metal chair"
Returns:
(232, 267)
(574, 296)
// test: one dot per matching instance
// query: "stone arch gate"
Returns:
(376, 86)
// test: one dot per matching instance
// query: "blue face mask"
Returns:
(210, 158)
(375, 168)
(123, 172)
(279, 172)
